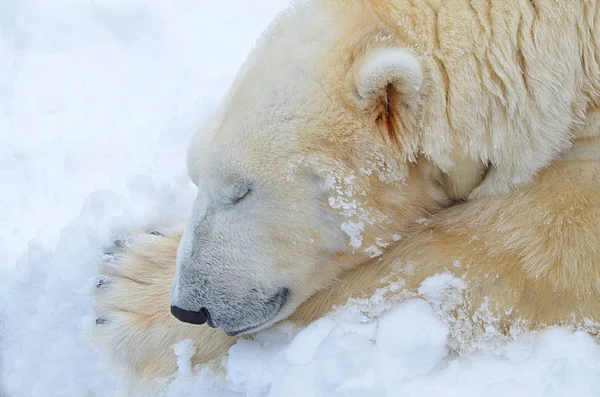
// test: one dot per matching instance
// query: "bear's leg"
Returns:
(527, 257)
(134, 325)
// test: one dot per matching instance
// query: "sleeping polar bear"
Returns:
(340, 153)
(528, 259)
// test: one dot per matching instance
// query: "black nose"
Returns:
(199, 317)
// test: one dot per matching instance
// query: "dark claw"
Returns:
(155, 233)
(101, 282)
(100, 321)
(119, 244)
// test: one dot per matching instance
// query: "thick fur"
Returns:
(528, 260)
(505, 81)
(351, 121)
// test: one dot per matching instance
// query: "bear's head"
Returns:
(310, 167)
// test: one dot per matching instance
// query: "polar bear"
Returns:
(528, 260)
(348, 137)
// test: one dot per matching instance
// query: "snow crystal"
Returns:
(184, 351)
(385, 172)
(354, 230)
(436, 287)
(373, 251)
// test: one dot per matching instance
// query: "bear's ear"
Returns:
(387, 83)
(378, 69)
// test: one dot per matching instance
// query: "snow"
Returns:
(373, 251)
(184, 351)
(436, 287)
(98, 100)
(402, 352)
(354, 231)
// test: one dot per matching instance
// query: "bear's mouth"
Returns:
(277, 301)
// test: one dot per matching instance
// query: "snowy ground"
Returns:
(97, 102)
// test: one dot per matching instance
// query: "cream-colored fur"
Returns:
(530, 259)
(309, 168)
(504, 81)
(351, 121)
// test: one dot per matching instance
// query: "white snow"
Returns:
(401, 353)
(436, 287)
(184, 351)
(354, 231)
(373, 251)
(97, 102)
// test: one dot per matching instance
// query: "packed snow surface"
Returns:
(97, 102)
